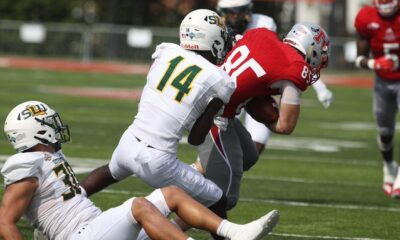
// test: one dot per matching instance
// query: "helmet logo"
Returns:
(12, 139)
(320, 36)
(214, 20)
(33, 110)
(191, 33)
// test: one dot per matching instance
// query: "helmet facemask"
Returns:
(220, 48)
(61, 131)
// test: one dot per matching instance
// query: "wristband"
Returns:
(371, 64)
(358, 61)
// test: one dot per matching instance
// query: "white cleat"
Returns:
(259, 228)
(396, 186)
(389, 175)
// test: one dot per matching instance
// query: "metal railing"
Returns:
(107, 42)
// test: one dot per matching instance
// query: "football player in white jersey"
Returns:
(239, 17)
(41, 185)
(184, 91)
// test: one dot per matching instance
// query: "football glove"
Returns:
(387, 63)
(325, 97)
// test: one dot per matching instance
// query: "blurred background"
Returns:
(128, 31)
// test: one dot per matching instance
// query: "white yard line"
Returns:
(275, 157)
(321, 237)
(320, 205)
(309, 181)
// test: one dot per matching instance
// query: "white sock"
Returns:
(226, 229)
(190, 238)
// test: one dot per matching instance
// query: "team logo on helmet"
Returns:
(32, 111)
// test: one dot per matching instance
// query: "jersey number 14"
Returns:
(182, 82)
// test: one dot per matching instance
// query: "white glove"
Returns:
(325, 97)
(221, 123)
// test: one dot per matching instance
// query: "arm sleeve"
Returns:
(319, 86)
(20, 166)
(290, 93)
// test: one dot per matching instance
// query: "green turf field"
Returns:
(325, 178)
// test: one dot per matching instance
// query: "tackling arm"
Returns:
(16, 199)
(203, 124)
(97, 180)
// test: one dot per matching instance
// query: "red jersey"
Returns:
(257, 61)
(383, 35)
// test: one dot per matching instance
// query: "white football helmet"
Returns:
(313, 42)
(204, 30)
(386, 8)
(33, 122)
(236, 13)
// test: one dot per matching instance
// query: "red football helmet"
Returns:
(386, 8)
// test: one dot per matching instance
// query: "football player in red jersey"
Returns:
(378, 49)
(262, 65)
(239, 16)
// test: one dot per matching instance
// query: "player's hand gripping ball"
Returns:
(263, 109)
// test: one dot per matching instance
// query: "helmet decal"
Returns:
(33, 110)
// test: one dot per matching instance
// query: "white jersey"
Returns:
(261, 21)
(57, 207)
(180, 84)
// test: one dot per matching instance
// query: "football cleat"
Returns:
(396, 186)
(259, 228)
(389, 175)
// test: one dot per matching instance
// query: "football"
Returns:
(263, 109)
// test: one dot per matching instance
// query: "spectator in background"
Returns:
(378, 49)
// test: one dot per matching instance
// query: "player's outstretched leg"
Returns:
(198, 216)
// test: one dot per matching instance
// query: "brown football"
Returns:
(263, 109)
